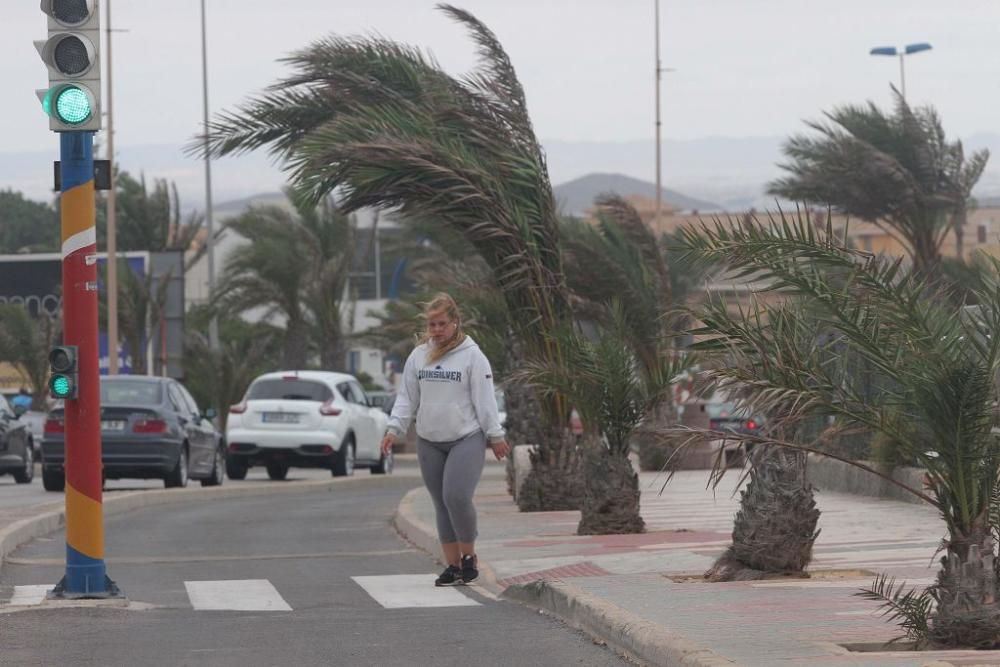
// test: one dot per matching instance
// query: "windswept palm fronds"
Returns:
(898, 171)
(383, 126)
(293, 266)
(619, 258)
(380, 124)
(938, 365)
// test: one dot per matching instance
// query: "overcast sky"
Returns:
(743, 67)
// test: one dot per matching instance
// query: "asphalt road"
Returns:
(293, 560)
(24, 495)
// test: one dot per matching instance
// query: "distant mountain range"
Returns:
(579, 194)
(713, 173)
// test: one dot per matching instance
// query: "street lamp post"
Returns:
(213, 325)
(659, 72)
(909, 49)
(112, 226)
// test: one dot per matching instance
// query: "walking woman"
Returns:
(448, 386)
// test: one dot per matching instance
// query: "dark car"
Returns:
(151, 428)
(728, 417)
(17, 455)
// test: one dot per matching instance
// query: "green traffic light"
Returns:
(47, 102)
(72, 105)
(61, 386)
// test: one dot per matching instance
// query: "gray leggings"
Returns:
(451, 471)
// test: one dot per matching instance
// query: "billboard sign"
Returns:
(34, 281)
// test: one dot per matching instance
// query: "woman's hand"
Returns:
(387, 442)
(500, 448)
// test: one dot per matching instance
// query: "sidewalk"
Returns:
(643, 593)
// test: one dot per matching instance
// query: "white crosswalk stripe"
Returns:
(29, 596)
(400, 591)
(235, 595)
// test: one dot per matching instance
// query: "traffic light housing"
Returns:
(64, 378)
(72, 55)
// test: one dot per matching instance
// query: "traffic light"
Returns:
(64, 379)
(71, 52)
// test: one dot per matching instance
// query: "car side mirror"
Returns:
(19, 410)
(211, 413)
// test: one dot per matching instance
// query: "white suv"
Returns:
(305, 419)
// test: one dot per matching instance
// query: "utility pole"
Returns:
(659, 71)
(659, 125)
(213, 325)
(112, 261)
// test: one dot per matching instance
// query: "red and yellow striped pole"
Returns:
(85, 570)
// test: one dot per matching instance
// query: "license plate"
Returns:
(113, 425)
(279, 418)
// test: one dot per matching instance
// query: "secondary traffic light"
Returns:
(71, 52)
(64, 379)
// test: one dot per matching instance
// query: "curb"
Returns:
(624, 631)
(50, 520)
(415, 531)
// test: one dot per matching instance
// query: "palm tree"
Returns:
(620, 258)
(384, 126)
(898, 171)
(938, 366)
(141, 300)
(329, 245)
(151, 221)
(603, 379)
(219, 378)
(294, 267)
(25, 342)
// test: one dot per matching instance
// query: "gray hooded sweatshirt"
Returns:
(451, 398)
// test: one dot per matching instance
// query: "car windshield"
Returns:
(131, 392)
(289, 389)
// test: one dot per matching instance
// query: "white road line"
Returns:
(235, 595)
(29, 596)
(400, 591)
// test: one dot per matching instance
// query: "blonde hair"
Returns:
(443, 303)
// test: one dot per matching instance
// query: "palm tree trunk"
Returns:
(555, 481)
(610, 493)
(655, 450)
(926, 254)
(137, 352)
(294, 355)
(775, 526)
(967, 592)
(958, 225)
(332, 351)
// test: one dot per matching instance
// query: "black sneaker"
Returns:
(469, 571)
(452, 576)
